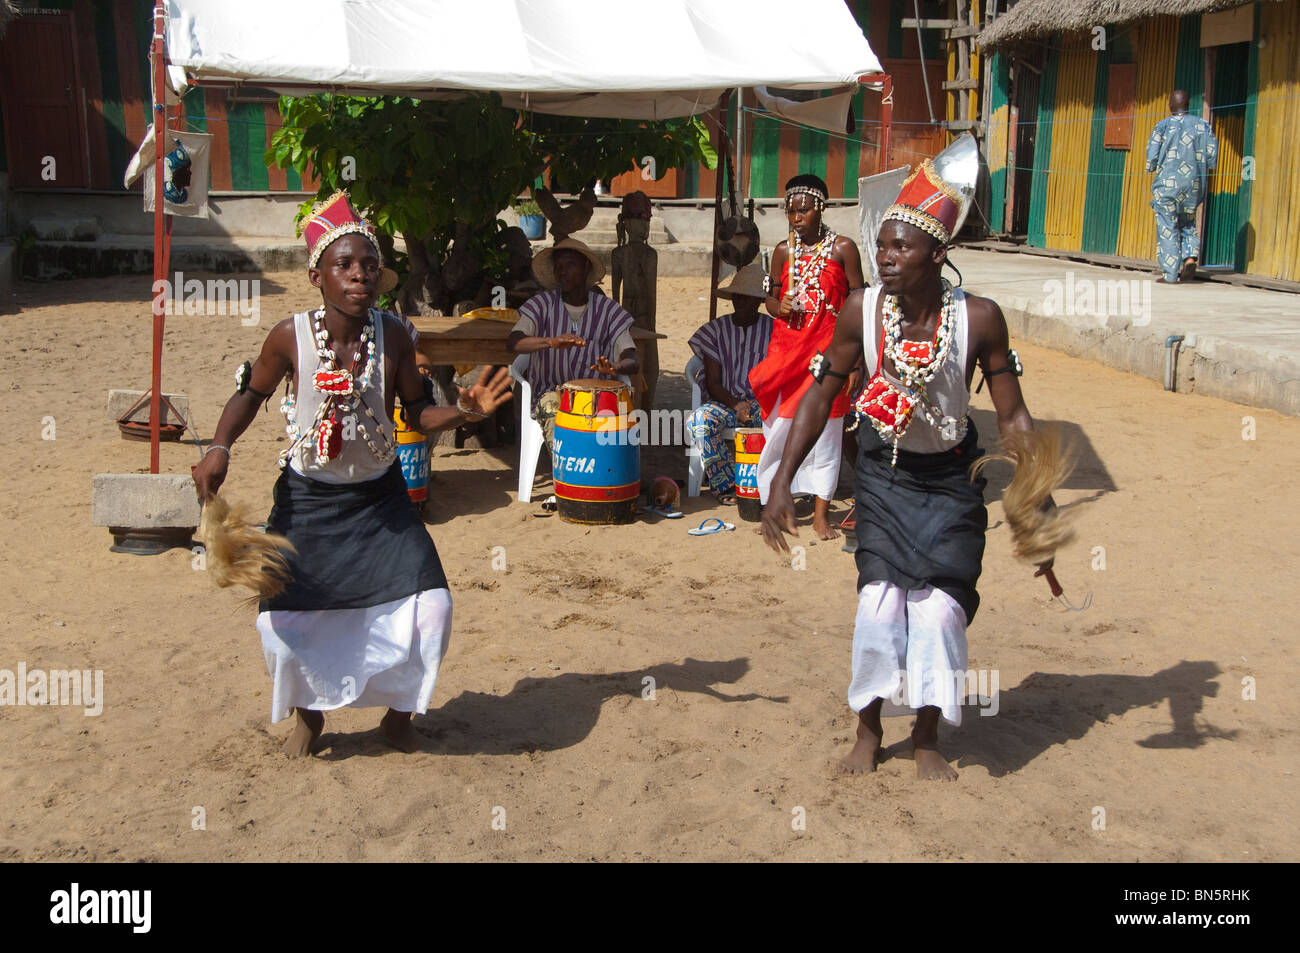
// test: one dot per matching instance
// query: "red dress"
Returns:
(784, 372)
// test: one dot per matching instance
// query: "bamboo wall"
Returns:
(1068, 157)
(1156, 43)
(1273, 243)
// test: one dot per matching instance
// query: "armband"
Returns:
(819, 367)
(1012, 366)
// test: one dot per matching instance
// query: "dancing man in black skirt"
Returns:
(366, 616)
(920, 518)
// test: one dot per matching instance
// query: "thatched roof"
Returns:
(1032, 19)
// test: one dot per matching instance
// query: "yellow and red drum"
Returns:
(413, 455)
(597, 459)
(749, 447)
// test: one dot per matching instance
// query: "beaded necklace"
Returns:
(889, 405)
(342, 394)
(805, 279)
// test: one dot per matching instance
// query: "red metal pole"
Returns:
(886, 122)
(159, 259)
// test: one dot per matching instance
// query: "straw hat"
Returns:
(546, 274)
(748, 281)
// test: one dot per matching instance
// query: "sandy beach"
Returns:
(542, 743)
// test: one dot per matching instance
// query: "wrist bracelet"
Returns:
(217, 446)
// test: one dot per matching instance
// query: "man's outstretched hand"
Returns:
(604, 366)
(778, 519)
(487, 394)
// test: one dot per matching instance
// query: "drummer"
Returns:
(729, 346)
(571, 330)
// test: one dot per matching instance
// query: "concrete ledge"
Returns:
(63, 229)
(144, 500)
(120, 401)
(133, 255)
(1215, 366)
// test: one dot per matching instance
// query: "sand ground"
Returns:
(1135, 706)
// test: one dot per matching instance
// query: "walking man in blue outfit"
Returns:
(1181, 153)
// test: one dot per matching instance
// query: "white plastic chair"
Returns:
(695, 466)
(531, 437)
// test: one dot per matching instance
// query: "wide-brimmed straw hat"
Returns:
(545, 272)
(748, 281)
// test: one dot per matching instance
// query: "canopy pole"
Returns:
(723, 148)
(886, 123)
(160, 230)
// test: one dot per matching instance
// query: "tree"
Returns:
(439, 171)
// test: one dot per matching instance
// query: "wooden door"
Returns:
(44, 128)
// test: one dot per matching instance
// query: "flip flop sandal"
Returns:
(667, 512)
(704, 529)
(550, 505)
(725, 499)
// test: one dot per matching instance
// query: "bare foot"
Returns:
(823, 528)
(930, 765)
(866, 750)
(821, 519)
(307, 727)
(399, 731)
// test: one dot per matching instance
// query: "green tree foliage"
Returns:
(438, 172)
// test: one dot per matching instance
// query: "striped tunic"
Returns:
(602, 323)
(736, 349)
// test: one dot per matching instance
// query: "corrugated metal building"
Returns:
(1074, 103)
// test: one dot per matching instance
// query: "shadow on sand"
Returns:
(1049, 709)
(543, 714)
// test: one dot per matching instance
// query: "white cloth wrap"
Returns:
(908, 646)
(819, 473)
(383, 656)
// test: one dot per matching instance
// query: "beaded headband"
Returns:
(819, 197)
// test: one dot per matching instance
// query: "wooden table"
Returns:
(482, 341)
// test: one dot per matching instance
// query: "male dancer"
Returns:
(366, 616)
(920, 519)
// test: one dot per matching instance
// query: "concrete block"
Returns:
(120, 401)
(65, 229)
(144, 500)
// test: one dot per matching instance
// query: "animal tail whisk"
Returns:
(1042, 465)
(240, 553)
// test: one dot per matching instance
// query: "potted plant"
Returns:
(531, 219)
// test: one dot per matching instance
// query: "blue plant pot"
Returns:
(534, 226)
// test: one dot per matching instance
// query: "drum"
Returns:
(413, 454)
(597, 460)
(749, 447)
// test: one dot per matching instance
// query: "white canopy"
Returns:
(635, 59)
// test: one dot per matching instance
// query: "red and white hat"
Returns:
(929, 203)
(329, 221)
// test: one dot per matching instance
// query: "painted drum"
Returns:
(749, 446)
(413, 454)
(597, 460)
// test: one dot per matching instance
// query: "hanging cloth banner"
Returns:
(185, 172)
(831, 113)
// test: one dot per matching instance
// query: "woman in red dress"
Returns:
(805, 301)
